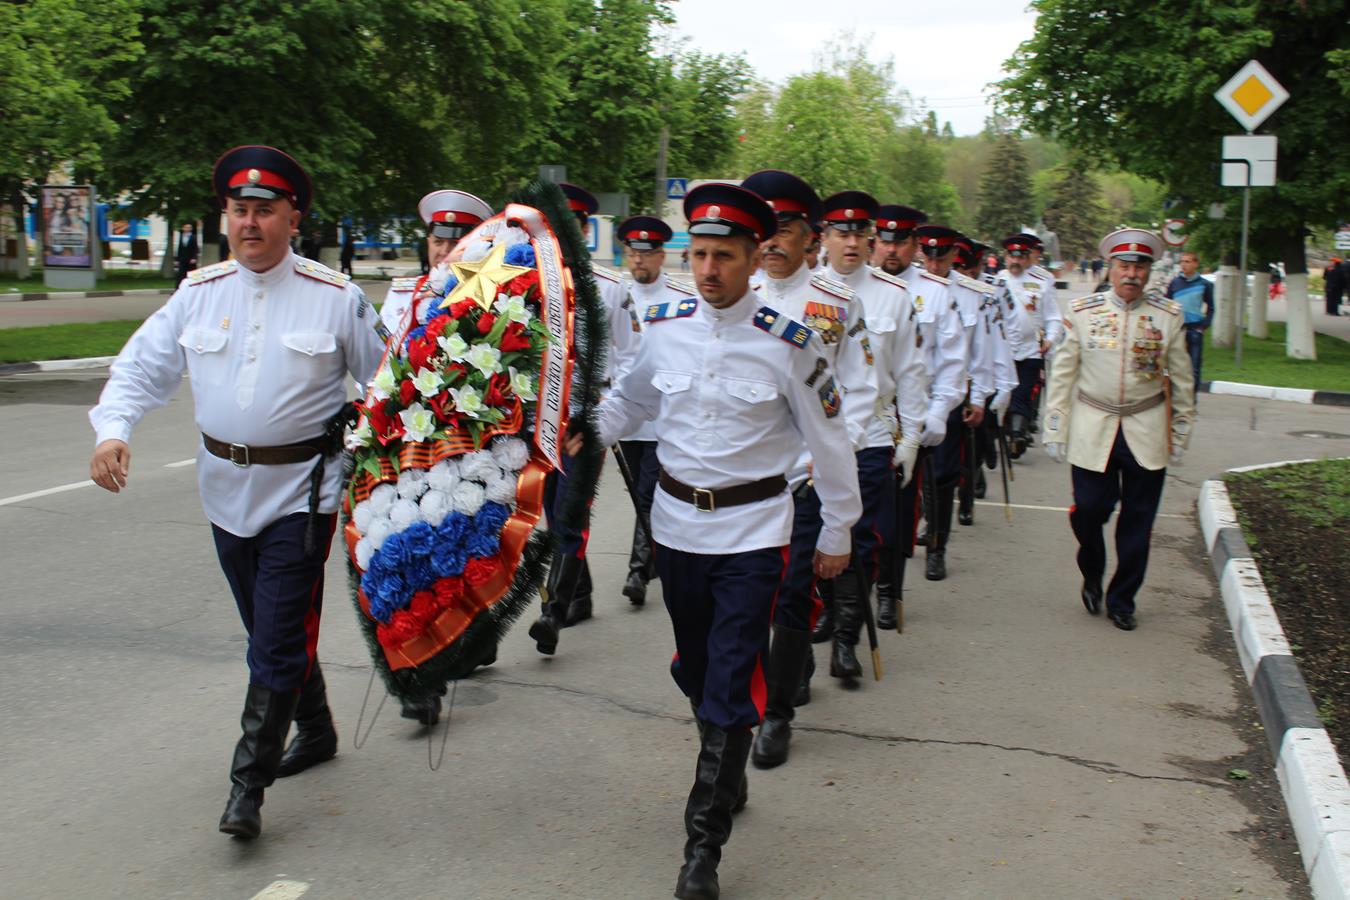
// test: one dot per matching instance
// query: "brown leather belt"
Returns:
(711, 499)
(243, 455)
(1115, 409)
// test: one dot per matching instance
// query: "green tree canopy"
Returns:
(1074, 210)
(1005, 190)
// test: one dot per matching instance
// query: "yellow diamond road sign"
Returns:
(1251, 95)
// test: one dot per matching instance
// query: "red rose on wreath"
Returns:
(437, 327)
(485, 322)
(521, 285)
(402, 627)
(496, 386)
(424, 607)
(478, 571)
(457, 310)
(443, 405)
(513, 338)
(406, 392)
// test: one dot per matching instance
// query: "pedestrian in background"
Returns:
(1196, 296)
(185, 257)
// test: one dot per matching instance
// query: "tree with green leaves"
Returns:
(1005, 190)
(1134, 85)
(914, 172)
(65, 65)
(1074, 210)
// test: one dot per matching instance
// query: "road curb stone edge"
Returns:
(1316, 791)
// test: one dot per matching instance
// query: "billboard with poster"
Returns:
(68, 226)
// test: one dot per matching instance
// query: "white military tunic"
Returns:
(650, 297)
(397, 300)
(974, 297)
(1037, 311)
(898, 363)
(733, 403)
(1109, 376)
(624, 331)
(267, 354)
(943, 340)
(801, 296)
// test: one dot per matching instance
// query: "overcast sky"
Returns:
(948, 61)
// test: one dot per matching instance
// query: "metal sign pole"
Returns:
(1242, 269)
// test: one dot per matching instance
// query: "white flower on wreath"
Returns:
(438, 277)
(522, 384)
(486, 359)
(455, 347)
(382, 385)
(513, 308)
(418, 422)
(362, 436)
(468, 400)
(427, 382)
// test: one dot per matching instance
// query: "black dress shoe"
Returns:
(1092, 597)
(1123, 621)
(635, 589)
(579, 610)
(937, 566)
(966, 516)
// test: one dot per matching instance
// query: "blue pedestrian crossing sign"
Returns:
(676, 188)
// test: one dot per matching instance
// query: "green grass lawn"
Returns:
(112, 280)
(65, 341)
(1264, 362)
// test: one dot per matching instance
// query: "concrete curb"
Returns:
(1314, 785)
(1265, 392)
(84, 295)
(57, 365)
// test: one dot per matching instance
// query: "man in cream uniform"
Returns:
(1122, 397)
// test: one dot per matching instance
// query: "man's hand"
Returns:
(830, 565)
(1176, 456)
(906, 456)
(1045, 347)
(572, 444)
(1055, 450)
(934, 430)
(110, 464)
(973, 416)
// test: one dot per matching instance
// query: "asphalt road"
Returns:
(1016, 747)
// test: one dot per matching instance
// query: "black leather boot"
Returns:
(267, 716)
(823, 630)
(707, 815)
(579, 609)
(742, 795)
(783, 677)
(426, 710)
(1017, 435)
(847, 621)
(942, 514)
(640, 565)
(803, 695)
(981, 485)
(563, 576)
(887, 618)
(316, 740)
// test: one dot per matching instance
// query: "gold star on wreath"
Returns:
(478, 281)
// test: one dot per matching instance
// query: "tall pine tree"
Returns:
(1075, 211)
(1005, 190)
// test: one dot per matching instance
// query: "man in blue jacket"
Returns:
(1196, 296)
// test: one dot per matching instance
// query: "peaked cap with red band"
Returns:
(1131, 245)
(720, 210)
(848, 210)
(263, 173)
(1021, 243)
(579, 200)
(966, 253)
(452, 214)
(644, 232)
(935, 240)
(787, 195)
(895, 222)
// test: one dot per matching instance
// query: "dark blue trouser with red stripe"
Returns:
(279, 592)
(720, 606)
(571, 541)
(1095, 494)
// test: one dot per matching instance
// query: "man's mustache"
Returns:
(1137, 282)
(774, 251)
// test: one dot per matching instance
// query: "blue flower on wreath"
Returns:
(449, 559)
(396, 551)
(421, 539)
(452, 528)
(520, 255)
(490, 518)
(387, 593)
(419, 575)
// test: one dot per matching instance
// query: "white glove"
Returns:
(1176, 456)
(1055, 450)
(934, 430)
(906, 455)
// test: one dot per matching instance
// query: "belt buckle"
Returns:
(699, 494)
(239, 455)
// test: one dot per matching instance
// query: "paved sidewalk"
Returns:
(1016, 747)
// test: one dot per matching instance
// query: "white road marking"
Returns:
(1062, 509)
(282, 890)
(60, 489)
(181, 463)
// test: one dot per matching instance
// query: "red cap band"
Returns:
(851, 214)
(455, 217)
(788, 205)
(261, 178)
(726, 213)
(1131, 247)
